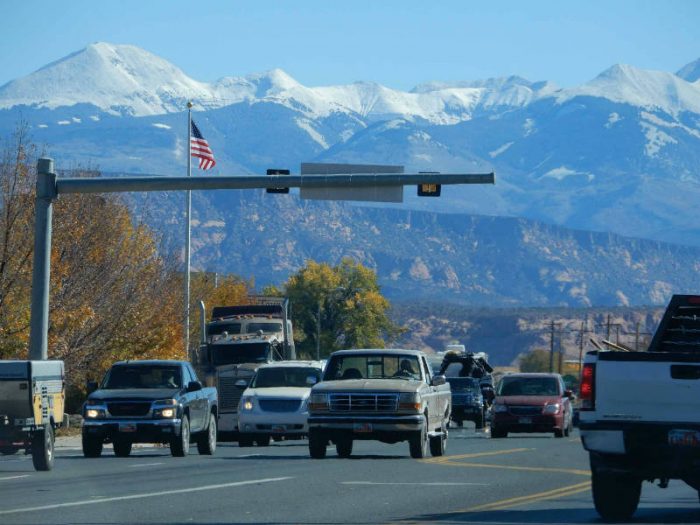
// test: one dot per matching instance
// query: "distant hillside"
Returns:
(470, 260)
(506, 333)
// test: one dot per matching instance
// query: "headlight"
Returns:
(410, 401)
(166, 402)
(552, 408)
(318, 402)
(500, 408)
(247, 404)
(167, 413)
(94, 413)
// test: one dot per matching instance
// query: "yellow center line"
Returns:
(578, 472)
(531, 498)
(445, 459)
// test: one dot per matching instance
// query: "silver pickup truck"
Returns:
(384, 395)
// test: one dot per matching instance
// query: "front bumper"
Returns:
(383, 428)
(280, 423)
(135, 430)
(535, 423)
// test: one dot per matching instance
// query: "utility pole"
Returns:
(607, 337)
(561, 355)
(551, 347)
(580, 347)
(318, 331)
(636, 337)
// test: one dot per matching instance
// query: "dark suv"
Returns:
(467, 401)
(531, 403)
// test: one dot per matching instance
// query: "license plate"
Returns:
(362, 427)
(127, 427)
(278, 428)
(525, 420)
(684, 438)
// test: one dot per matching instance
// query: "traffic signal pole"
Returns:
(49, 187)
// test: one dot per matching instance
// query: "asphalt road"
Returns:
(520, 479)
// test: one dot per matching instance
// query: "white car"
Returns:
(275, 404)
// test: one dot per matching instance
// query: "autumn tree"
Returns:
(536, 360)
(113, 295)
(338, 307)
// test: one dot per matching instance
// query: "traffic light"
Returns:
(429, 190)
(277, 172)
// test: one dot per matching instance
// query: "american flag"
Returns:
(199, 147)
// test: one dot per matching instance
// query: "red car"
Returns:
(531, 403)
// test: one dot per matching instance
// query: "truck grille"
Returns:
(280, 405)
(229, 393)
(364, 402)
(525, 410)
(129, 408)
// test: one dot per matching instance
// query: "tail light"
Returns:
(588, 387)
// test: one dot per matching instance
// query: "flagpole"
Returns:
(188, 234)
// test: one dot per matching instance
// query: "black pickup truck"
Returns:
(149, 402)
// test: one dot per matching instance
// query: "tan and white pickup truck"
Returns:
(384, 395)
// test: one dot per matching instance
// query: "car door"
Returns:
(432, 396)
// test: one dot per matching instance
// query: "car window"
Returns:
(372, 366)
(528, 386)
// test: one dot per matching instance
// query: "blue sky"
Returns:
(396, 43)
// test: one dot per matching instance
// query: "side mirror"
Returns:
(242, 383)
(438, 380)
(194, 386)
(311, 380)
(91, 386)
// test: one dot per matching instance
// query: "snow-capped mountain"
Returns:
(620, 153)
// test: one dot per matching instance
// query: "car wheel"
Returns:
(92, 446)
(438, 445)
(479, 422)
(42, 448)
(616, 496)
(344, 447)
(122, 448)
(317, 445)
(180, 445)
(206, 441)
(418, 442)
(263, 441)
(558, 433)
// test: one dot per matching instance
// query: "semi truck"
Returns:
(234, 343)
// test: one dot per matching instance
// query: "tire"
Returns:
(180, 445)
(497, 434)
(8, 451)
(92, 446)
(245, 440)
(460, 423)
(558, 433)
(122, 448)
(418, 443)
(206, 440)
(43, 449)
(438, 445)
(344, 448)
(479, 422)
(615, 496)
(317, 445)
(263, 441)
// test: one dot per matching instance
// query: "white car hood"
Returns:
(282, 392)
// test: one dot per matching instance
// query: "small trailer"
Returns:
(32, 398)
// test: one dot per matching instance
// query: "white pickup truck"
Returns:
(640, 412)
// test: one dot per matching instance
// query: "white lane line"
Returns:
(142, 496)
(435, 484)
(145, 465)
(15, 477)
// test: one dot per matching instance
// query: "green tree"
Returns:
(536, 360)
(343, 304)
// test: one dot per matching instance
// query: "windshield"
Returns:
(265, 328)
(143, 376)
(220, 328)
(235, 354)
(286, 376)
(463, 383)
(528, 386)
(372, 366)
